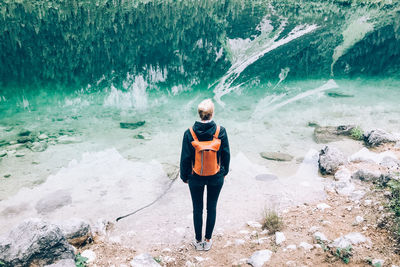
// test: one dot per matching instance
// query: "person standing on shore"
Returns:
(204, 163)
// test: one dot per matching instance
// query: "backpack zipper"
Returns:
(202, 153)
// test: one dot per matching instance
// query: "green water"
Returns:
(79, 68)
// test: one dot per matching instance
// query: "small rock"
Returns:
(19, 155)
(66, 139)
(390, 163)
(144, 260)
(244, 232)
(239, 242)
(359, 219)
(367, 202)
(63, 263)
(254, 224)
(378, 262)
(277, 156)
(143, 136)
(306, 246)
(53, 201)
(89, 254)
(318, 236)
(43, 137)
(24, 133)
(7, 175)
(25, 139)
(377, 137)
(279, 238)
(13, 142)
(348, 240)
(323, 206)
(366, 175)
(259, 258)
(266, 177)
(313, 229)
(3, 153)
(38, 146)
(291, 247)
(131, 125)
(330, 158)
(325, 134)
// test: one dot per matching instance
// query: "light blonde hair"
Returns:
(206, 109)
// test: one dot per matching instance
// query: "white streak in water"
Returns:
(354, 33)
(331, 84)
(237, 68)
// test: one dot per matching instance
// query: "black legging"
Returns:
(196, 184)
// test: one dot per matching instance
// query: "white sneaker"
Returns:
(207, 245)
(197, 245)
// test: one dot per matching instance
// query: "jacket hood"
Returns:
(204, 130)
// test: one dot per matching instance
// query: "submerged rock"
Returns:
(330, 158)
(3, 153)
(327, 134)
(338, 95)
(259, 258)
(66, 139)
(24, 133)
(131, 125)
(144, 260)
(25, 139)
(43, 137)
(278, 156)
(53, 201)
(34, 242)
(38, 146)
(377, 137)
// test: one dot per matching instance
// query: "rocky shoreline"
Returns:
(35, 242)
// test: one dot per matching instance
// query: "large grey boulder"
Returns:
(144, 260)
(34, 242)
(76, 231)
(330, 158)
(53, 201)
(378, 136)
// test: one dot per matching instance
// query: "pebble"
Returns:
(239, 242)
(323, 206)
(359, 219)
(377, 262)
(306, 246)
(291, 247)
(254, 224)
(367, 202)
(19, 155)
(43, 136)
(89, 254)
(318, 236)
(279, 238)
(7, 175)
(349, 208)
(3, 153)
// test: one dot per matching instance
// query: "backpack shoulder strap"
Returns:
(217, 132)
(193, 134)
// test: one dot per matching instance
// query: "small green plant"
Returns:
(2, 263)
(356, 133)
(157, 259)
(344, 254)
(80, 261)
(272, 221)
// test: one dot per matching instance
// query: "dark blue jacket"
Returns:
(204, 132)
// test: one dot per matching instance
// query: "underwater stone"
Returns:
(38, 146)
(25, 139)
(7, 175)
(3, 153)
(131, 125)
(24, 133)
(43, 136)
(278, 156)
(338, 94)
(53, 201)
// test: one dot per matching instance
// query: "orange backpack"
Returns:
(206, 162)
